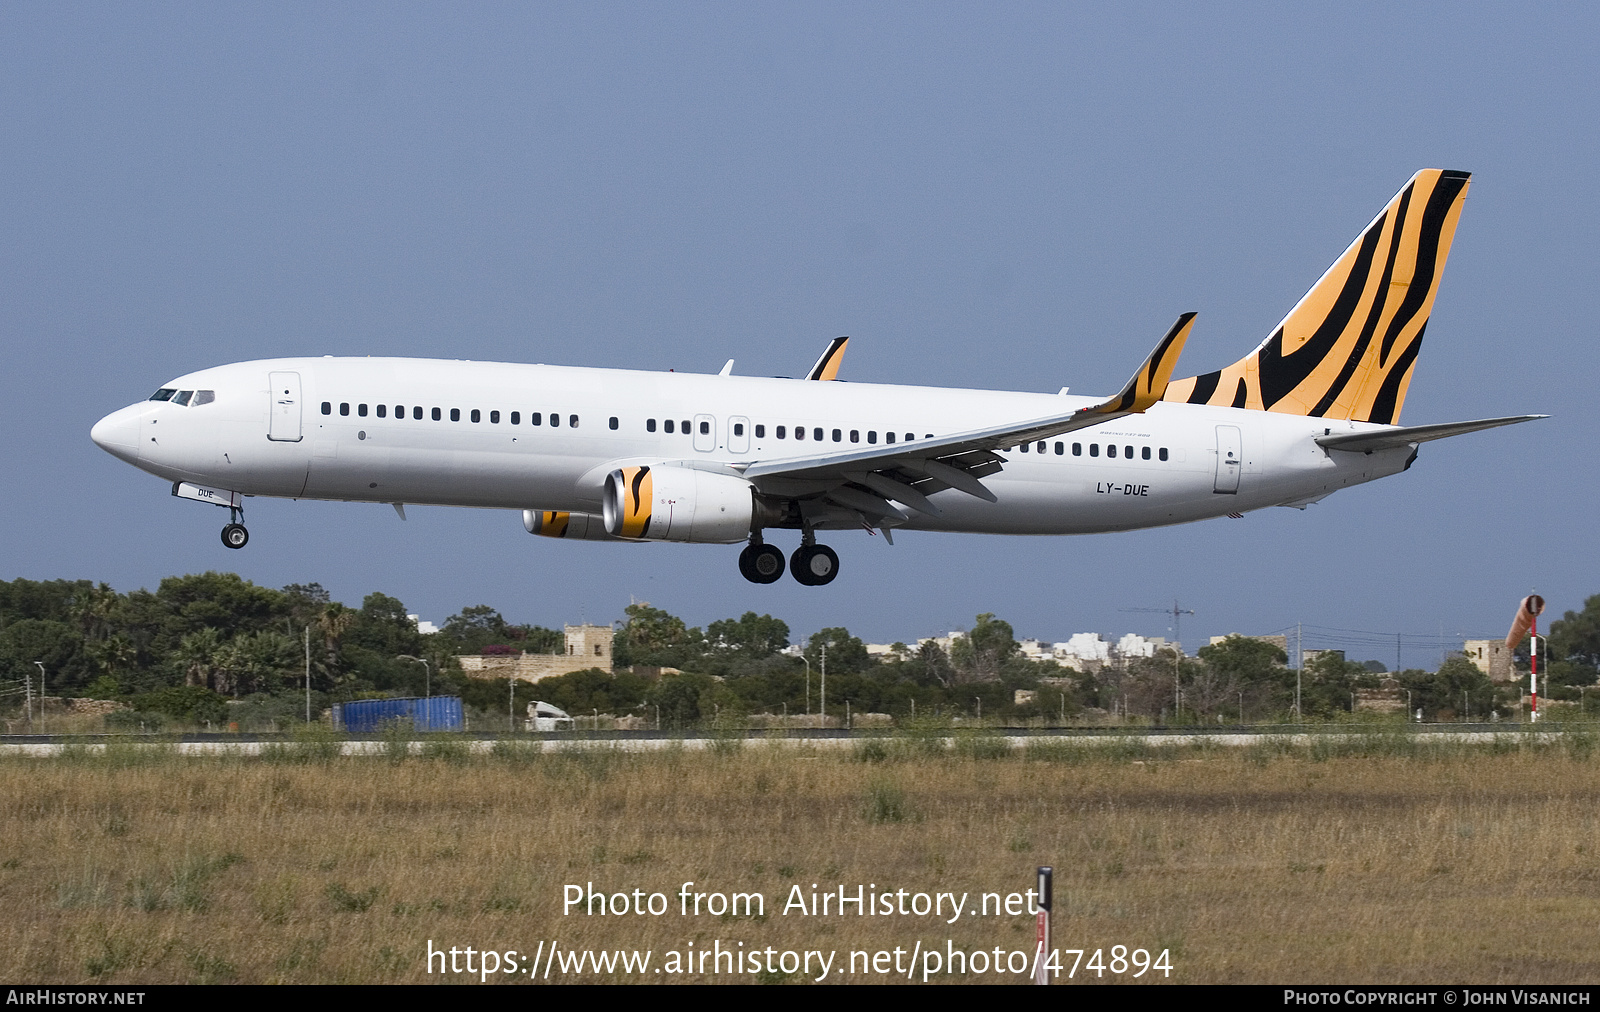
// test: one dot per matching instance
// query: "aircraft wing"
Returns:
(1390, 439)
(866, 480)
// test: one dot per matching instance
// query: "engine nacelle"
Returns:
(678, 504)
(571, 526)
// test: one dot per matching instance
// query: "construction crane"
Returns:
(1177, 614)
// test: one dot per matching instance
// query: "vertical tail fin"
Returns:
(1348, 348)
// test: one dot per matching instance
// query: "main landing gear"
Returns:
(761, 563)
(811, 564)
(234, 535)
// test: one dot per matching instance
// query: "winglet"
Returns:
(827, 367)
(1149, 384)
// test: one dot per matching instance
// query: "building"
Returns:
(1492, 658)
(588, 646)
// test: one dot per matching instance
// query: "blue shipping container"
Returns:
(368, 716)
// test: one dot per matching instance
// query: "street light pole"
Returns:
(427, 672)
(40, 665)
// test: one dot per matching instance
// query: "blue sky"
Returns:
(1020, 199)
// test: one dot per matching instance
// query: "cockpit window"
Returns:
(183, 397)
(164, 394)
(203, 397)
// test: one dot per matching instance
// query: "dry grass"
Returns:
(1385, 863)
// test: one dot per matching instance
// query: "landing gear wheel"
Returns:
(761, 564)
(814, 565)
(235, 536)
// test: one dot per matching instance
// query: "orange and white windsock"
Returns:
(1527, 614)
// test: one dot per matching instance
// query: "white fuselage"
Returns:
(267, 432)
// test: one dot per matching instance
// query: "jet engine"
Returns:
(678, 504)
(571, 526)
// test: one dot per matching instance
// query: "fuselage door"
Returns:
(1230, 458)
(283, 424)
(738, 434)
(705, 433)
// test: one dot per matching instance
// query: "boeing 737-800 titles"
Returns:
(621, 455)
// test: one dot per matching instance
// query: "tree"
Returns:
(1256, 668)
(846, 654)
(751, 636)
(1574, 643)
(979, 655)
(1442, 694)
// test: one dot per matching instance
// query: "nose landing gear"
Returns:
(234, 535)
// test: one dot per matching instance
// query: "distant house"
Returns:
(587, 646)
(1491, 657)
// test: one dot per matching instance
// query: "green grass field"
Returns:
(1375, 860)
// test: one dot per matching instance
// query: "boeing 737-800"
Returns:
(621, 455)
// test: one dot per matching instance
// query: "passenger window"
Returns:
(165, 394)
(738, 428)
(684, 428)
(855, 436)
(1094, 449)
(1163, 453)
(1145, 453)
(535, 418)
(436, 414)
(327, 408)
(872, 435)
(555, 420)
(572, 421)
(928, 436)
(761, 432)
(668, 425)
(203, 397)
(494, 418)
(1077, 449)
(817, 434)
(838, 437)
(799, 432)
(1127, 451)
(1060, 449)
(344, 407)
(910, 436)
(1024, 447)
(888, 437)
(705, 428)
(613, 422)
(1111, 449)
(383, 411)
(1042, 447)
(455, 414)
(399, 410)
(516, 418)
(649, 425)
(361, 409)
(416, 412)
(781, 430)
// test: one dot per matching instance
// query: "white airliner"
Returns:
(620, 455)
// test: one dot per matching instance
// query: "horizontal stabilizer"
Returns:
(1389, 439)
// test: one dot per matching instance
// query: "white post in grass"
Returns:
(1042, 951)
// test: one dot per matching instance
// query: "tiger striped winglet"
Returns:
(827, 367)
(1149, 385)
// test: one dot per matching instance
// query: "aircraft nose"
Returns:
(118, 432)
